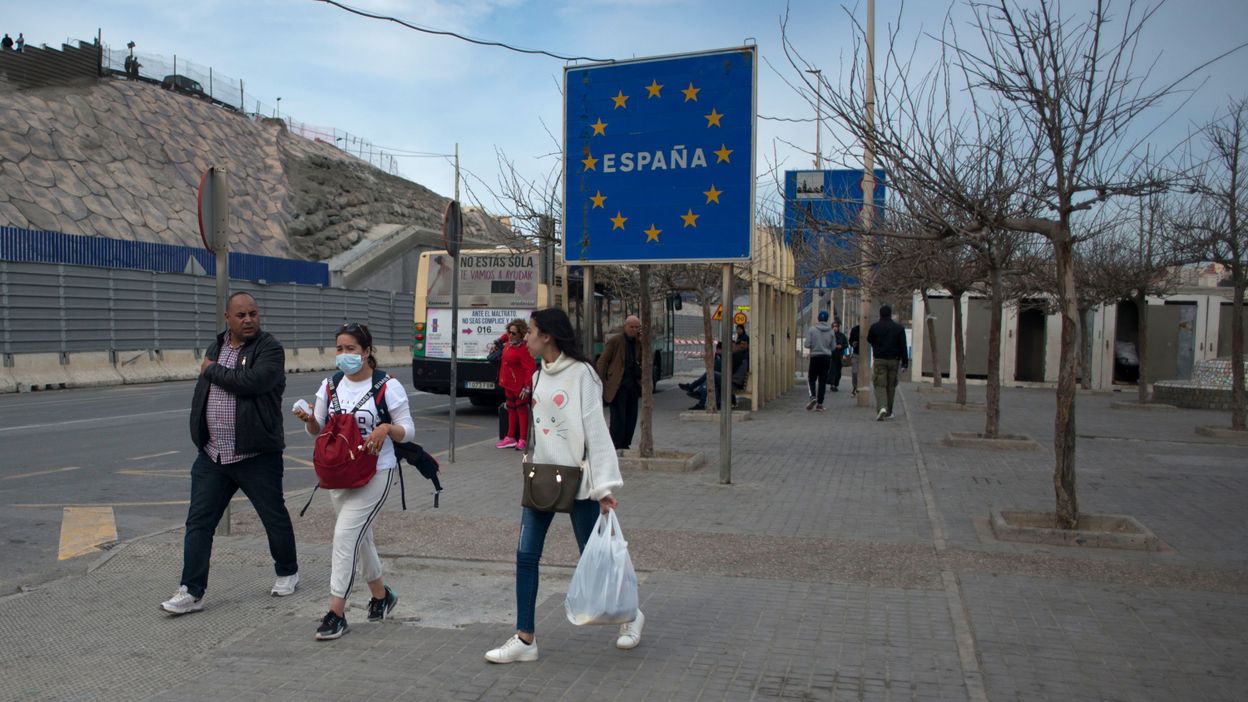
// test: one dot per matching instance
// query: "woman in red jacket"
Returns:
(515, 377)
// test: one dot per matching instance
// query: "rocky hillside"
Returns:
(123, 159)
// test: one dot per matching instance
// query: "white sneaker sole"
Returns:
(331, 637)
(179, 612)
(523, 658)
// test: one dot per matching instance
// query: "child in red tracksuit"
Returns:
(515, 377)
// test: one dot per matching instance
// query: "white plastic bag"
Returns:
(604, 587)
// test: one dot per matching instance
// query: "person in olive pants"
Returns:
(888, 346)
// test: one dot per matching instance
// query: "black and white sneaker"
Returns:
(332, 627)
(379, 609)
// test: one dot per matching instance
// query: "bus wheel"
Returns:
(482, 401)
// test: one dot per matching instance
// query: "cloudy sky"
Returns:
(416, 92)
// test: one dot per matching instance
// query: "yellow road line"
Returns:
(159, 472)
(85, 528)
(41, 472)
(152, 455)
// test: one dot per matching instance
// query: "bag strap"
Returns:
(310, 496)
(528, 449)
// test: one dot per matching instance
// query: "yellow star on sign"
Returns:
(654, 89)
(591, 163)
(691, 93)
(652, 234)
(600, 127)
(712, 120)
(712, 195)
(598, 199)
(691, 219)
(620, 100)
(617, 222)
(721, 154)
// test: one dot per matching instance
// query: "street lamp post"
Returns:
(278, 112)
(818, 74)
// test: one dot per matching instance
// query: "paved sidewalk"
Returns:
(849, 560)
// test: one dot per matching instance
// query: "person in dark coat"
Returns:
(888, 346)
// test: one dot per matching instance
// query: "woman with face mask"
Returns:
(357, 508)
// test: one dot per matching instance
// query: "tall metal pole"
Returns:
(868, 211)
(725, 384)
(454, 321)
(221, 247)
(816, 296)
(587, 302)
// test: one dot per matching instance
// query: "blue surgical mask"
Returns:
(349, 363)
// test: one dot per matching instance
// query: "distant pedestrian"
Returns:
(820, 339)
(21, 42)
(619, 366)
(852, 354)
(236, 424)
(838, 354)
(570, 430)
(515, 377)
(888, 347)
(6, 43)
(356, 509)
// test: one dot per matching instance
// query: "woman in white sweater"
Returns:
(568, 429)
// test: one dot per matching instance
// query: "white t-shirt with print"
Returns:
(350, 392)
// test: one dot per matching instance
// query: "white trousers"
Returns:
(357, 509)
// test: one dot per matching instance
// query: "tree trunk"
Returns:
(1141, 311)
(646, 447)
(931, 339)
(992, 399)
(959, 347)
(1085, 352)
(1239, 402)
(1067, 507)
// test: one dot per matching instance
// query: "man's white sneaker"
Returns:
(182, 602)
(515, 650)
(811, 405)
(285, 585)
(630, 632)
(881, 415)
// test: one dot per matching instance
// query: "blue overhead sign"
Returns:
(821, 209)
(659, 159)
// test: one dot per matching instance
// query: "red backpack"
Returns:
(339, 456)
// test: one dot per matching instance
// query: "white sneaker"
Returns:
(811, 404)
(285, 585)
(182, 602)
(515, 650)
(630, 633)
(882, 414)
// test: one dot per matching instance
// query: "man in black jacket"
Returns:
(888, 346)
(236, 424)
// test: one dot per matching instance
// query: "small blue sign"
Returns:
(659, 159)
(821, 208)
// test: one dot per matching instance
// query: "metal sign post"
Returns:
(725, 385)
(453, 232)
(214, 218)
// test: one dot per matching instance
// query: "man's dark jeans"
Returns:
(212, 486)
(624, 415)
(817, 376)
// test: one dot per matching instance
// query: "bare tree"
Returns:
(1209, 226)
(1067, 89)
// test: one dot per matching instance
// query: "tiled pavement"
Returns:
(840, 564)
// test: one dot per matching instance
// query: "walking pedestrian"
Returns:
(515, 377)
(570, 431)
(6, 43)
(384, 421)
(838, 354)
(236, 424)
(853, 359)
(888, 348)
(21, 42)
(619, 366)
(820, 340)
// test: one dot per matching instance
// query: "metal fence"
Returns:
(48, 308)
(231, 92)
(30, 246)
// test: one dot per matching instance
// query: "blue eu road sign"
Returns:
(821, 208)
(659, 159)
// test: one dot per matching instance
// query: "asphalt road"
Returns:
(128, 448)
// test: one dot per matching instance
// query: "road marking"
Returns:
(88, 421)
(85, 528)
(41, 472)
(296, 459)
(153, 455)
(159, 472)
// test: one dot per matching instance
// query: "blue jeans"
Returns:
(212, 486)
(533, 527)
